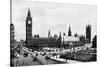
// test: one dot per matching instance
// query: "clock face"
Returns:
(29, 22)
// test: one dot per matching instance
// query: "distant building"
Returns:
(44, 42)
(28, 29)
(71, 38)
(36, 36)
(59, 40)
(47, 42)
(94, 42)
(88, 33)
(83, 39)
(12, 35)
(70, 41)
(75, 35)
(69, 32)
(55, 36)
(49, 34)
(56, 41)
(37, 41)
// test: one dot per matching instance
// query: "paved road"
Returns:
(25, 61)
(46, 61)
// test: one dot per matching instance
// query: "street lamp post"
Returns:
(63, 41)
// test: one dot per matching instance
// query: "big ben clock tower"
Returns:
(28, 29)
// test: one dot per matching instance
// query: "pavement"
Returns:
(73, 61)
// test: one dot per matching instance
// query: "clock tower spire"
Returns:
(29, 28)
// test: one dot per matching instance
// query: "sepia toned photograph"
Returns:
(44, 33)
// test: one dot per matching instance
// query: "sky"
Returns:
(55, 17)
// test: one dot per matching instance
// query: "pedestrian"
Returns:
(36, 54)
(17, 62)
(23, 63)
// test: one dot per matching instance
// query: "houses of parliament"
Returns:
(56, 41)
(39, 41)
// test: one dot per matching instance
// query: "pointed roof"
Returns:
(29, 13)
(49, 34)
(59, 34)
(49, 30)
(69, 31)
(88, 24)
(69, 28)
